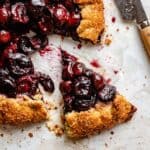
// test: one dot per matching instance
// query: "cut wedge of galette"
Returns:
(91, 105)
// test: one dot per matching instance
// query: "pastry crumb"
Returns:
(57, 129)
(108, 41)
(1, 134)
(30, 134)
(112, 132)
(106, 145)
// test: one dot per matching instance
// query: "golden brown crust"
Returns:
(92, 23)
(102, 117)
(20, 111)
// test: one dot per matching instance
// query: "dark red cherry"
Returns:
(68, 102)
(27, 84)
(5, 37)
(78, 68)
(19, 13)
(84, 104)
(98, 81)
(8, 86)
(67, 58)
(12, 48)
(35, 12)
(74, 19)
(82, 87)
(45, 26)
(66, 87)
(67, 72)
(4, 73)
(20, 64)
(24, 45)
(39, 42)
(46, 82)
(107, 93)
(69, 4)
(4, 14)
(88, 72)
(60, 15)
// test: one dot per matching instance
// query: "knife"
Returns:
(133, 10)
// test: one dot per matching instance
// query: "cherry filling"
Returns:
(18, 17)
(81, 87)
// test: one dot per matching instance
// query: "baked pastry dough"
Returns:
(21, 111)
(102, 117)
(92, 23)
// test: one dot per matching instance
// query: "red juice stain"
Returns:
(44, 51)
(113, 19)
(95, 63)
(79, 46)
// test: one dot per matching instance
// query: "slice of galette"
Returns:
(91, 105)
(21, 101)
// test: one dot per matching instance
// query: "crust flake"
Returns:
(21, 111)
(92, 23)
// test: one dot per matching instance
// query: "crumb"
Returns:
(108, 41)
(112, 132)
(30, 135)
(1, 134)
(58, 130)
(49, 105)
(127, 28)
(145, 77)
(106, 145)
(22, 129)
(74, 142)
(115, 71)
(110, 138)
(55, 107)
(38, 128)
(117, 30)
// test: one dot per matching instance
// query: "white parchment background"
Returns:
(126, 55)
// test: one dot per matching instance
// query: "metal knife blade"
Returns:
(127, 9)
(132, 10)
(140, 12)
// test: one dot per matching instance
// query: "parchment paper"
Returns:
(126, 56)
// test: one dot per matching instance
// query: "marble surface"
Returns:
(126, 56)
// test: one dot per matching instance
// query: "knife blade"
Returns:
(133, 10)
(127, 9)
(141, 17)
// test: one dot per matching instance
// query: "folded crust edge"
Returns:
(95, 120)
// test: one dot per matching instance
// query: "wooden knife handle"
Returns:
(145, 34)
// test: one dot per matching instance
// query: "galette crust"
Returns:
(92, 23)
(21, 111)
(102, 117)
